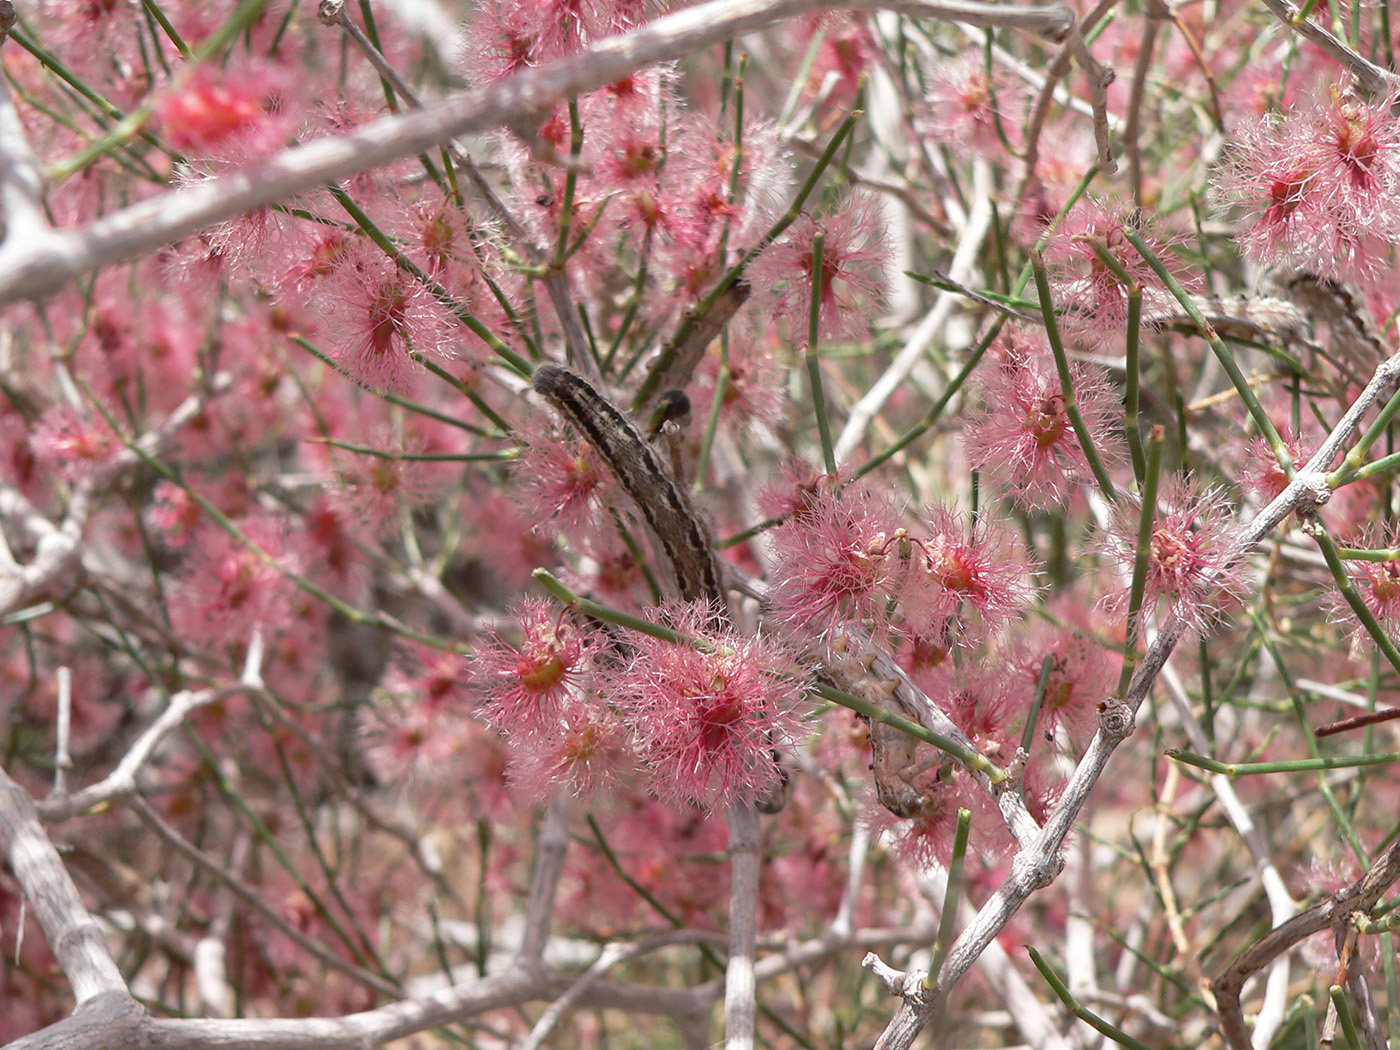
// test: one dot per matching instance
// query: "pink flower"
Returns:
(230, 589)
(73, 444)
(563, 480)
(754, 398)
(406, 739)
(379, 318)
(1022, 437)
(1323, 181)
(1091, 296)
(588, 752)
(851, 285)
(212, 109)
(1262, 474)
(834, 558)
(1377, 582)
(707, 720)
(378, 489)
(1188, 560)
(526, 689)
(1082, 673)
(963, 565)
(504, 37)
(174, 513)
(966, 104)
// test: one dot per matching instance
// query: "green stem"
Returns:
(1339, 1003)
(952, 897)
(1296, 765)
(421, 457)
(1079, 1010)
(814, 372)
(1222, 352)
(1156, 439)
(707, 441)
(1133, 391)
(1354, 467)
(876, 713)
(1358, 605)
(1041, 685)
(1057, 347)
(588, 607)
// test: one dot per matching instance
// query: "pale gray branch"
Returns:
(75, 939)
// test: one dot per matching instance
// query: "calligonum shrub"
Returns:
(635, 523)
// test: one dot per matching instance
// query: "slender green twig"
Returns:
(876, 713)
(598, 611)
(1155, 440)
(1358, 605)
(1223, 353)
(1079, 1010)
(814, 372)
(952, 897)
(1132, 393)
(1296, 765)
(1057, 348)
(1339, 1003)
(1041, 685)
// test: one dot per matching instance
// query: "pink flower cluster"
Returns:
(701, 718)
(1322, 181)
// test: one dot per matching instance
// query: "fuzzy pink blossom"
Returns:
(72, 443)
(379, 488)
(504, 37)
(835, 558)
(1323, 184)
(753, 397)
(212, 109)
(1022, 437)
(961, 565)
(1082, 673)
(846, 52)
(1377, 582)
(708, 717)
(1092, 299)
(965, 105)
(588, 752)
(174, 513)
(928, 838)
(1262, 474)
(563, 480)
(407, 740)
(1189, 571)
(379, 318)
(851, 285)
(983, 700)
(525, 689)
(229, 589)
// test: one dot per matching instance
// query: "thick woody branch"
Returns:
(74, 937)
(1360, 896)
